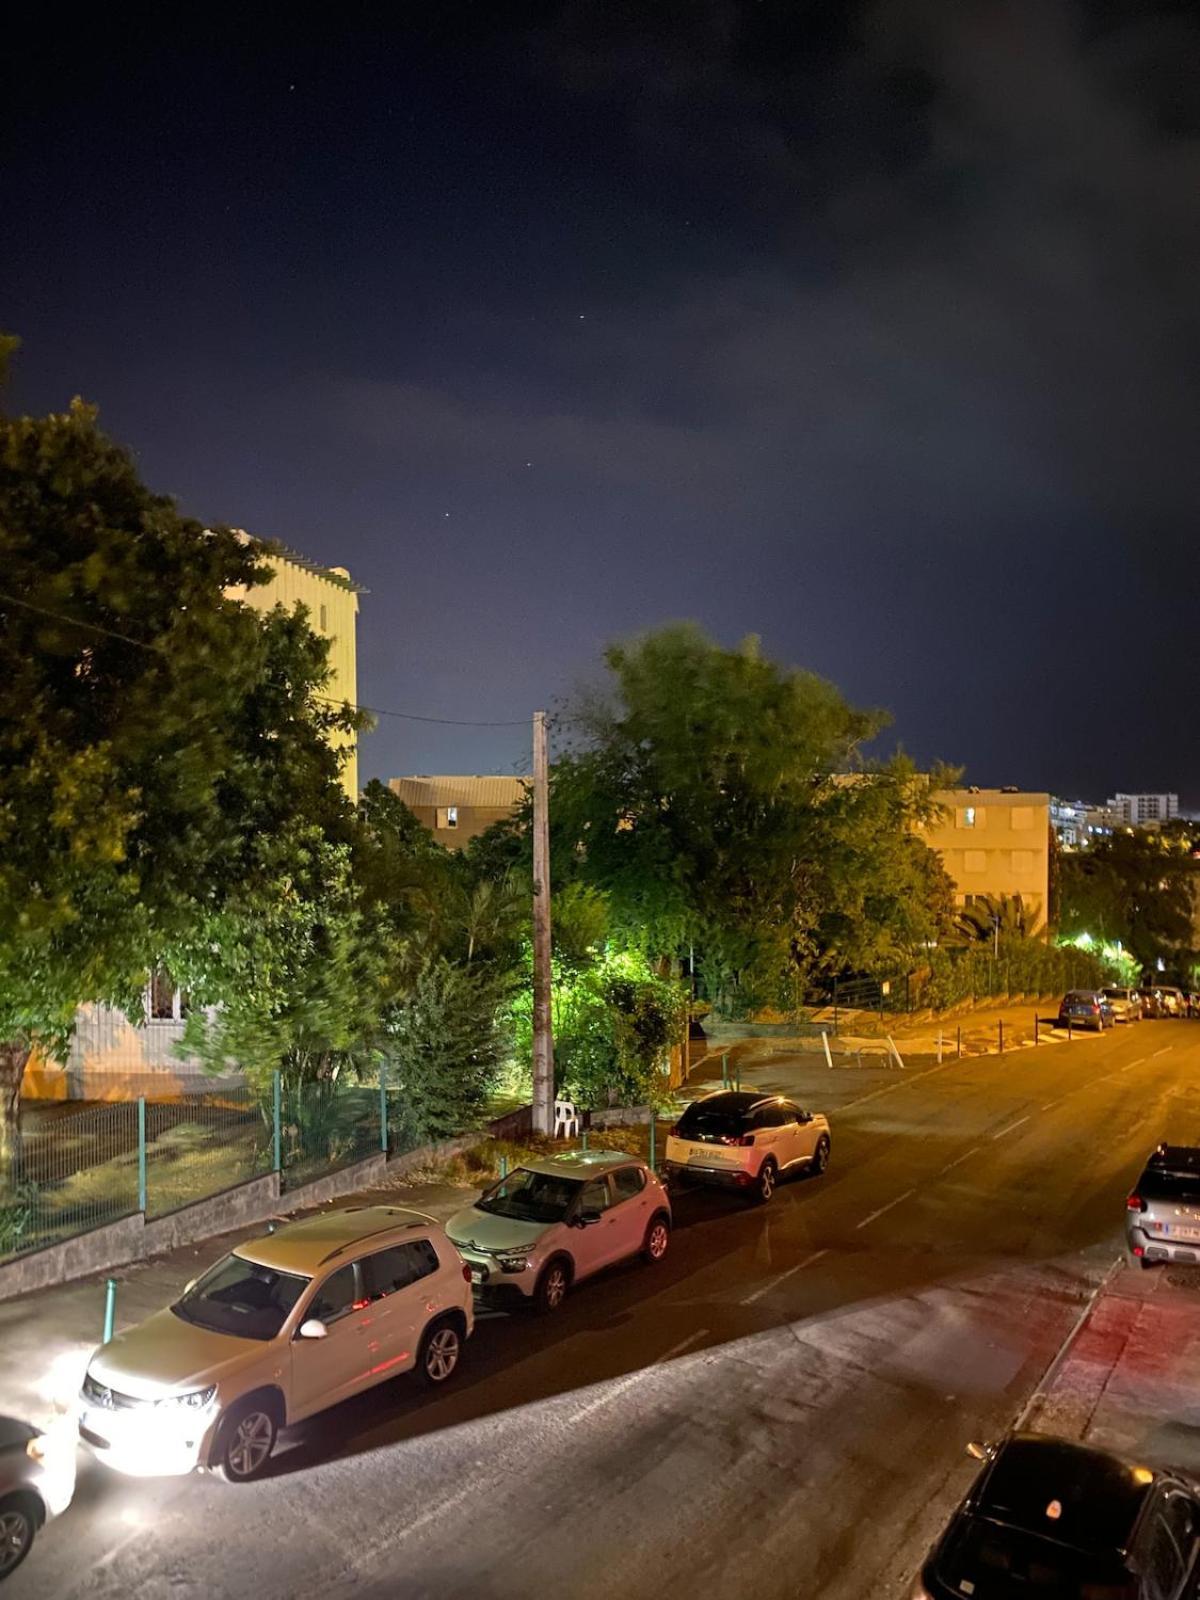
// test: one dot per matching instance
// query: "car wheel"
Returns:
(18, 1523)
(441, 1351)
(247, 1439)
(658, 1238)
(820, 1158)
(552, 1287)
(764, 1185)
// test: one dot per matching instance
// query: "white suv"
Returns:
(285, 1326)
(547, 1224)
(746, 1141)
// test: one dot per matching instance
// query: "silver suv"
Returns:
(1162, 1213)
(550, 1223)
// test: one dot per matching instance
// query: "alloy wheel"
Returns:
(657, 1242)
(556, 1287)
(16, 1535)
(766, 1181)
(251, 1444)
(441, 1354)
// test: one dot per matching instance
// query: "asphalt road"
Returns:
(778, 1409)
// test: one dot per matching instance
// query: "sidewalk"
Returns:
(1130, 1381)
(48, 1336)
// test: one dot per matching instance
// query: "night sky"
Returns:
(874, 330)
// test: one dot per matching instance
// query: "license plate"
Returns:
(1178, 1230)
(709, 1158)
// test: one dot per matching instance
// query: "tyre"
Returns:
(246, 1440)
(440, 1353)
(19, 1521)
(658, 1238)
(552, 1287)
(820, 1158)
(764, 1184)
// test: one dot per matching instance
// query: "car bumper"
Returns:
(1096, 1024)
(144, 1444)
(491, 1283)
(1152, 1247)
(723, 1177)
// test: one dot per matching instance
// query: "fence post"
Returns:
(653, 1139)
(1000, 1026)
(141, 1125)
(1070, 1034)
(725, 1069)
(277, 1143)
(835, 1008)
(110, 1309)
(504, 1166)
(583, 1133)
(1036, 1030)
(737, 1067)
(383, 1120)
(939, 1047)
(828, 1055)
(958, 1044)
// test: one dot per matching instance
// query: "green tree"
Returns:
(707, 796)
(1134, 889)
(160, 743)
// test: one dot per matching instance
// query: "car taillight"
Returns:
(1135, 1203)
(466, 1273)
(747, 1138)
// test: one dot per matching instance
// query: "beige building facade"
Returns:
(996, 842)
(458, 809)
(330, 596)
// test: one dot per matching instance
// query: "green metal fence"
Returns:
(72, 1171)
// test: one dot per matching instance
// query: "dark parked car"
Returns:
(1057, 1520)
(1086, 1008)
(37, 1480)
(1162, 1213)
(1151, 1003)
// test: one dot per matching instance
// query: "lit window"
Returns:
(164, 1002)
(452, 816)
(966, 817)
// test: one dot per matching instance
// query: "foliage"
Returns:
(444, 1045)
(1135, 889)
(950, 977)
(159, 749)
(705, 798)
(988, 918)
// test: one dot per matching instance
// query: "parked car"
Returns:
(1193, 1001)
(1085, 1008)
(1151, 1003)
(549, 1224)
(1049, 1518)
(1173, 1001)
(285, 1326)
(1162, 1211)
(37, 1480)
(742, 1140)
(1125, 1004)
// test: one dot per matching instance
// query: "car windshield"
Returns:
(989, 1561)
(241, 1297)
(1115, 994)
(530, 1196)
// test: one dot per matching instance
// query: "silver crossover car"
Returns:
(1125, 1004)
(550, 1223)
(1162, 1213)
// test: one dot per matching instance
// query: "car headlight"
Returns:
(195, 1401)
(512, 1260)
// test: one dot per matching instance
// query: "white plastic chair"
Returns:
(566, 1119)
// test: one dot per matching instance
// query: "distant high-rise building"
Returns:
(1136, 810)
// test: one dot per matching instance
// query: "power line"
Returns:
(375, 711)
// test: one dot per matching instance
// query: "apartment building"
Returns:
(1138, 810)
(458, 809)
(996, 842)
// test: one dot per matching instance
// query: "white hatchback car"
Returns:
(283, 1327)
(746, 1141)
(547, 1224)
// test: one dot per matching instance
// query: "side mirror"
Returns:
(587, 1219)
(313, 1328)
(980, 1452)
(190, 1285)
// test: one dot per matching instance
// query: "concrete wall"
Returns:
(995, 843)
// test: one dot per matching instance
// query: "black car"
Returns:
(1057, 1520)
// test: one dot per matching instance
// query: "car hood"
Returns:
(166, 1355)
(472, 1227)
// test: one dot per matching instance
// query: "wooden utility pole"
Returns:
(543, 1038)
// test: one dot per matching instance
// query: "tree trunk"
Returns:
(13, 1059)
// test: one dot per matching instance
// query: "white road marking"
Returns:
(1163, 1051)
(887, 1207)
(774, 1283)
(1012, 1127)
(958, 1160)
(618, 1389)
(1136, 1063)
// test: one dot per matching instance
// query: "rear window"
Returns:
(986, 1561)
(1170, 1182)
(711, 1122)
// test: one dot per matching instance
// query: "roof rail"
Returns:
(415, 1221)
